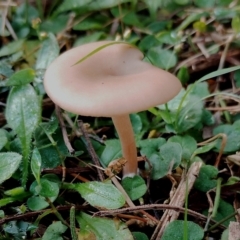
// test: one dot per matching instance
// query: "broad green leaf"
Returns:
(55, 24)
(225, 234)
(21, 77)
(237, 78)
(150, 146)
(233, 137)
(51, 155)
(11, 48)
(168, 37)
(207, 118)
(3, 138)
(9, 163)
(207, 178)
(153, 6)
(140, 236)
(95, 36)
(111, 152)
(204, 3)
(168, 159)
(18, 229)
(190, 114)
(182, 2)
(51, 126)
(102, 228)
(148, 42)
(162, 58)
(100, 194)
(36, 203)
(48, 52)
(136, 123)
(224, 210)
(183, 75)
(188, 144)
(175, 230)
(87, 5)
(48, 188)
(5, 68)
(135, 187)
(54, 231)
(236, 24)
(23, 115)
(91, 23)
(199, 89)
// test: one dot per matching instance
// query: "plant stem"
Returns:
(125, 132)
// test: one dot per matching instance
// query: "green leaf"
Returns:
(233, 137)
(49, 181)
(183, 75)
(111, 152)
(48, 52)
(102, 228)
(55, 24)
(168, 159)
(91, 23)
(182, 2)
(11, 48)
(162, 58)
(9, 163)
(224, 210)
(199, 89)
(168, 37)
(100, 194)
(190, 114)
(54, 231)
(36, 203)
(205, 148)
(52, 155)
(204, 3)
(23, 115)
(48, 188)
(150, 146)
(140, 236)
(136, 123)
(87, 5)
(18, 229)
(175, 230)
(95, 36)
(21, 77)
(3, 138)
(188, 144)
(207, 178)
(135, 187)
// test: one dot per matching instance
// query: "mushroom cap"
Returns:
(113, 81)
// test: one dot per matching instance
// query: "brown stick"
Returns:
(91, 150)
(178, 199)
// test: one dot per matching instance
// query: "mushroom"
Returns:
(112, 82)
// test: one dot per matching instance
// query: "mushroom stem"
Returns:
(125, 132)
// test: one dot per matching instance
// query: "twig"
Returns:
(178, 199)
(194, 214)
(91, 150)
(64, 131)
(33, 214)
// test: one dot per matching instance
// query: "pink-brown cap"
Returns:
(113, 81)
